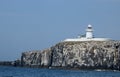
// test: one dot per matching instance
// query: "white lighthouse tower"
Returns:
(89, 32)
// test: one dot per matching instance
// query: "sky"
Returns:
(27, 25)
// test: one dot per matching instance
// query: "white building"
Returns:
(88, 37)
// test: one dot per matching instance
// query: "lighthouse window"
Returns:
(89, 27)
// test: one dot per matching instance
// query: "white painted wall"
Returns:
(89, 35)
(85, 39)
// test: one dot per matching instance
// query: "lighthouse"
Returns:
(89, 32)
(89, 36)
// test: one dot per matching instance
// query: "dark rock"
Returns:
(6, 63)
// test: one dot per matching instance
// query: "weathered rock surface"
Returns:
(36, 58)
(91, 54)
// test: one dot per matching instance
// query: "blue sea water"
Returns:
(6, 71)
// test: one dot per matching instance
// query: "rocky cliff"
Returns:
(89, 54)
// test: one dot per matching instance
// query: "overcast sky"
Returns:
(27, 25)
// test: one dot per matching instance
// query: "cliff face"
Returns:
(36, 58)
(92, 54)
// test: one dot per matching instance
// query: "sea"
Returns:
(8, 71)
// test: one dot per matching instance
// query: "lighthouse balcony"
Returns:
(89, 30)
